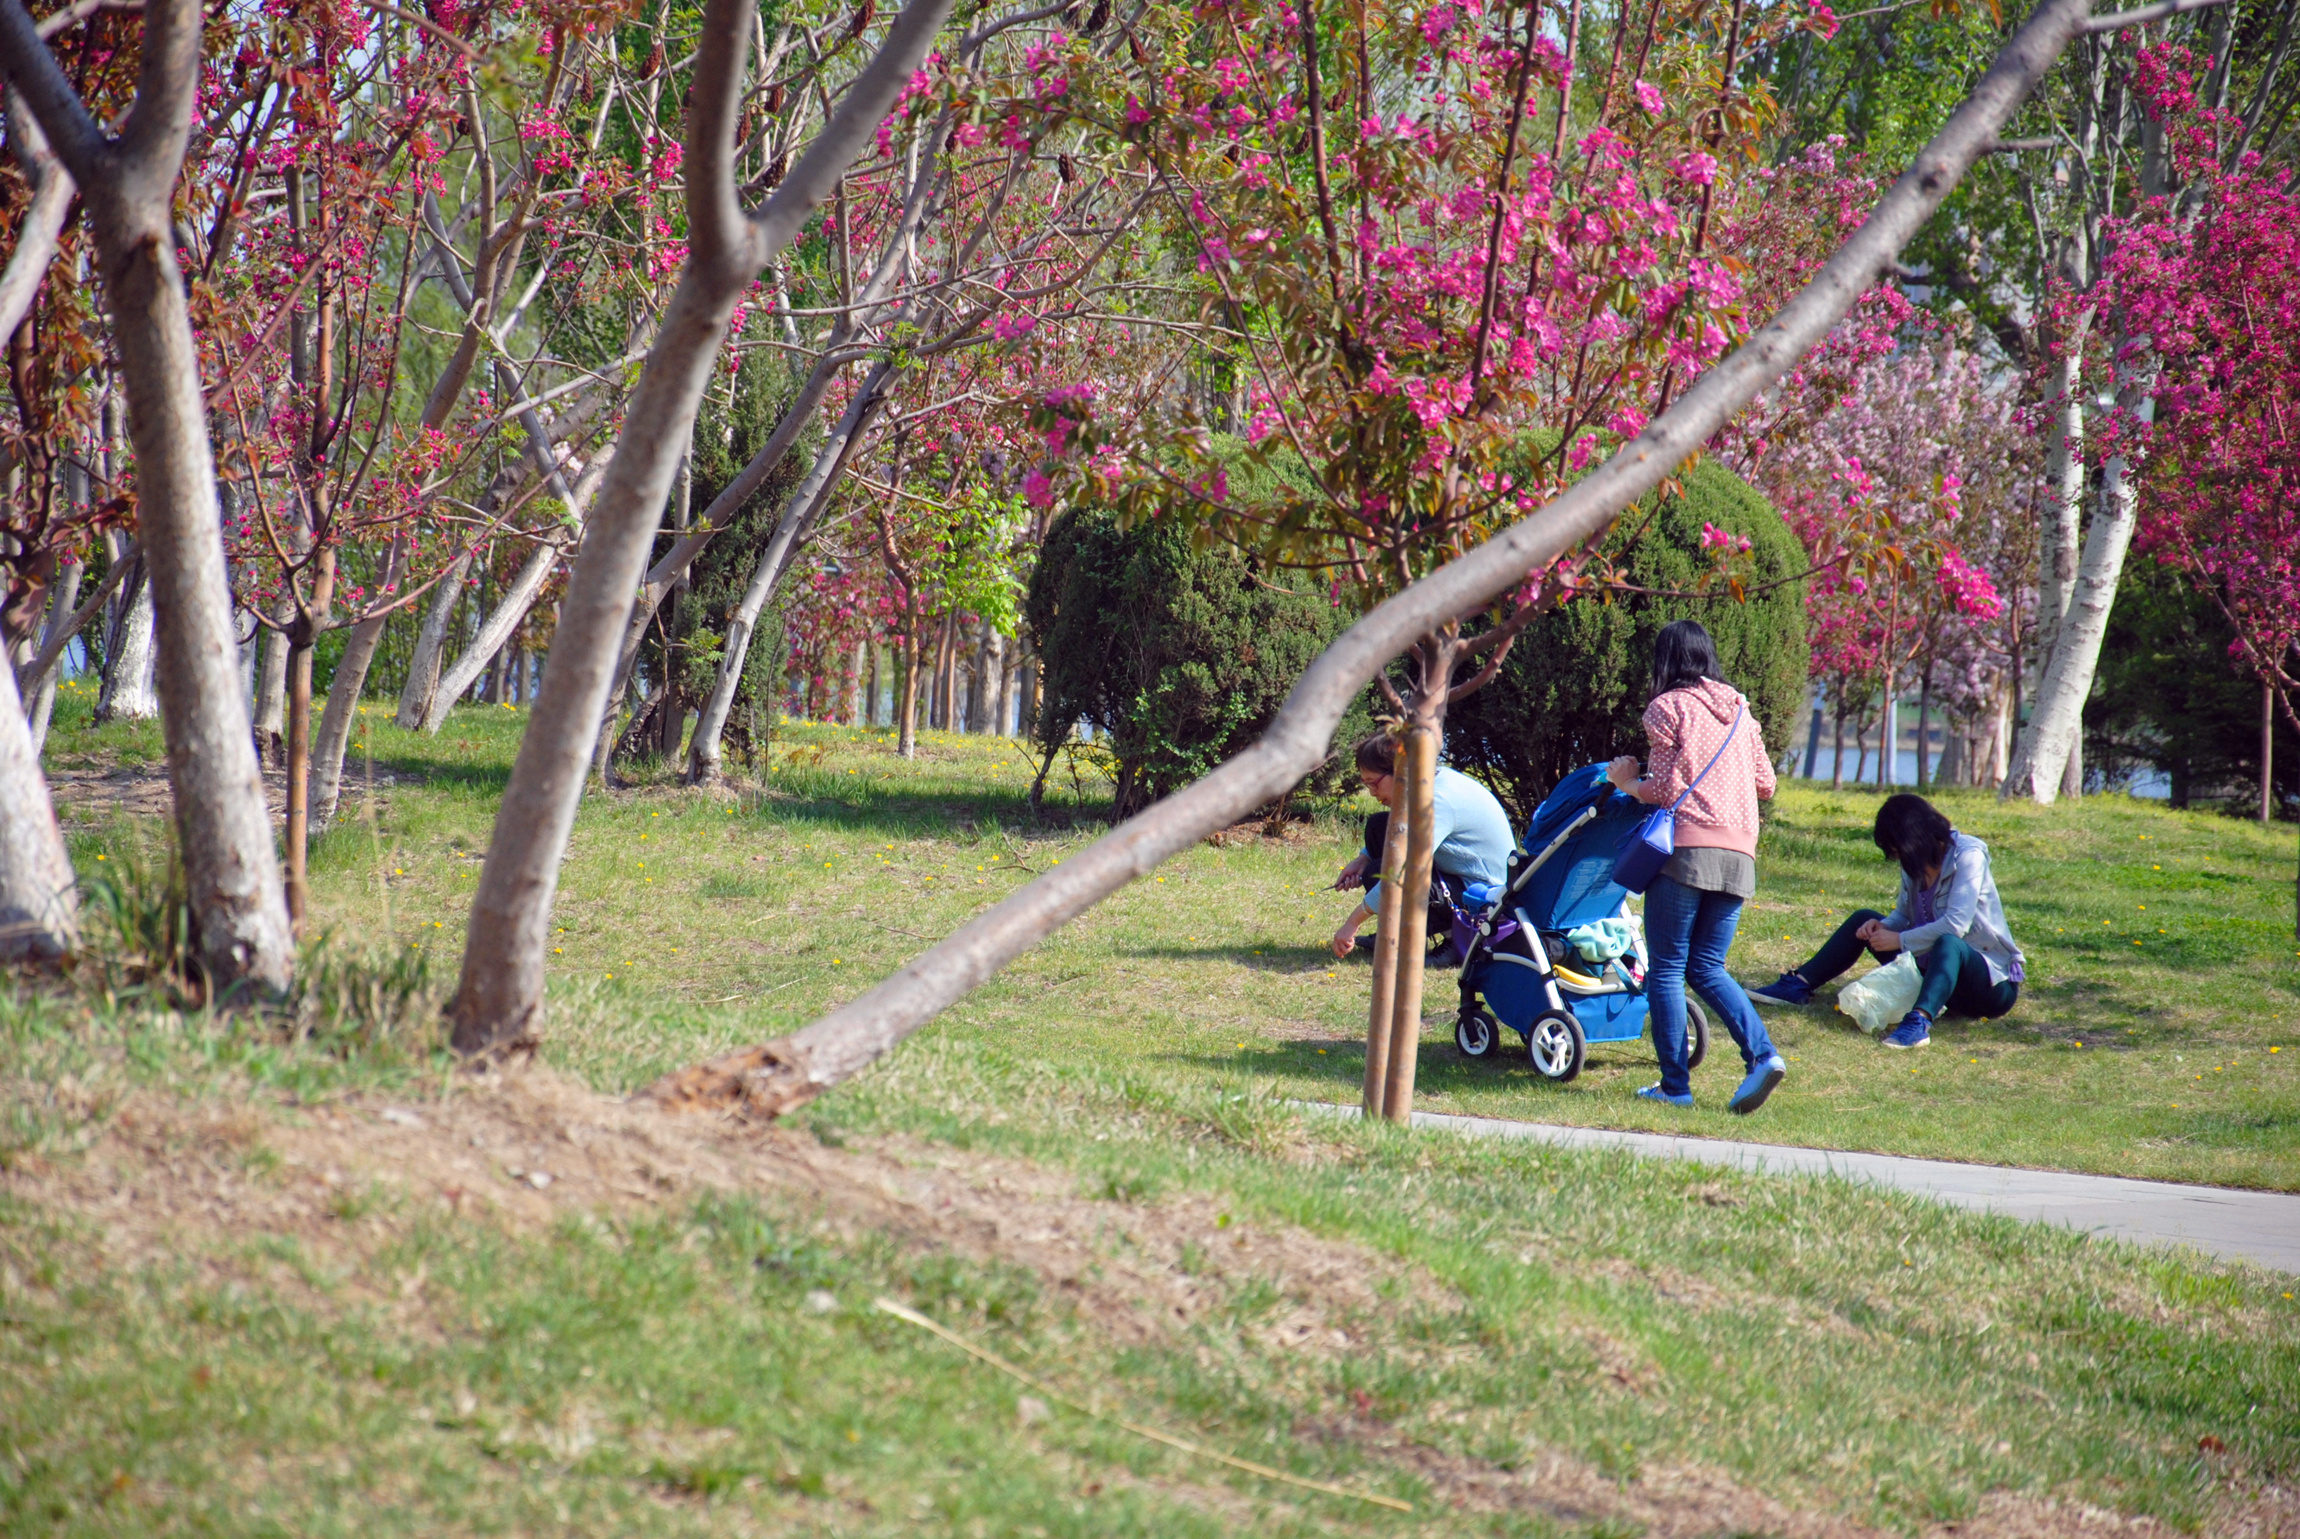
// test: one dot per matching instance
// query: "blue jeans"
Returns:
(1687, 933)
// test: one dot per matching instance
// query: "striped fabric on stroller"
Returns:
(1521, 972)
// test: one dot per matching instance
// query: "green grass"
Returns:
(2159, 1034)
(1837, 1348)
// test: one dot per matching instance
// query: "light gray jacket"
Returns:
(1964, 904)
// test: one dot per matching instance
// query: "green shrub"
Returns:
(1180, 656)
(1574, 688)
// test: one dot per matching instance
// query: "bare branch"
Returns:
(43, 221)
(2117, 21)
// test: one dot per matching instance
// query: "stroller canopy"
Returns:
(1576, 884)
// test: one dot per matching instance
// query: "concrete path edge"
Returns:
(2262, 1228)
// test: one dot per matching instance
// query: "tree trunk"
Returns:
(2064, 496)
(1417, 773)
(1889, 737)
(2267, 751)
(1382, 995)
(131, 663)
(2055, 729)
(416, 695)
(1002, 703)
(61, 605)
(39, 897)
(796, 523)
(231, 869)
(1837, 750)
(1924, 727)
(271, 686)
(498, 1004)
(774, 1078)
(906, 710)
(510, 611)
(978, 681)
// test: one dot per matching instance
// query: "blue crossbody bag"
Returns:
(1654, 839)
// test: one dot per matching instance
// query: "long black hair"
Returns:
(1683, 654)
(1914, 832)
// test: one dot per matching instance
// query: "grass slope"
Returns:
(1535, 1342)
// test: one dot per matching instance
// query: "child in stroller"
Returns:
(1561, 959)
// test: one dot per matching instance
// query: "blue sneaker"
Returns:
(1762, 1080)
(1788, 989)
(1656, 1093)
(1914, 1031)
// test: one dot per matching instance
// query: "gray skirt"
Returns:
(1705, 868)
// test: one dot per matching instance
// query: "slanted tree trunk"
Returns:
(499, 1000)
(127, 183)
(39, 897)
(773, 1078)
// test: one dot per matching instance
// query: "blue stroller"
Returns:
(1519, 971)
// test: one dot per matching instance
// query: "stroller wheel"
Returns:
(1696, 1033)
(1476, 1033)
(1557, 1047)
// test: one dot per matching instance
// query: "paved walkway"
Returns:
(2259, 1227)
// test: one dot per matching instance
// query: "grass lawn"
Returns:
(246, 1286)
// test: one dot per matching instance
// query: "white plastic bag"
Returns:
(1879, 999)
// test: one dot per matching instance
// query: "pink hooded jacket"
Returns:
(1686, 727)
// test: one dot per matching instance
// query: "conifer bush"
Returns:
(1179, 656)
(1575, 686)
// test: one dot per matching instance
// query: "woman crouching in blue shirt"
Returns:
(1949, 916)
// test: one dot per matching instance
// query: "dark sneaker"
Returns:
(1656, 1093)
(1761, 1083)
(1363, 945)
(1788, 989)
(1914, 1031)
(1442, 955)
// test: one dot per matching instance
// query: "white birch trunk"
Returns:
(2056, 725)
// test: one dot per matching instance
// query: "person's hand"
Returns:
(1353, 874)
(1622, 772)
(1880, 939)
(1344, 938)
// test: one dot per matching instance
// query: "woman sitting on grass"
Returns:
(1949, 916)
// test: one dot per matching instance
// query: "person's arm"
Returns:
(1664, 767)
(1347, 935)
(1766, 783)
(1962, 902)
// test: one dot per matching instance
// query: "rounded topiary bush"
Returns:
(1574, 688)
(1181, 656)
